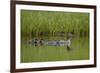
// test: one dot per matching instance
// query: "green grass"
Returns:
(34, 22)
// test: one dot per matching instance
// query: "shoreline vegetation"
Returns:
(49, 23)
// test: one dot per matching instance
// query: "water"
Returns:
(42, 53)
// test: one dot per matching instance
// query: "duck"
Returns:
(34, 42)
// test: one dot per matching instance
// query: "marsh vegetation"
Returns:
(54, 26)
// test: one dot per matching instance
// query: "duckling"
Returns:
(41, 42)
